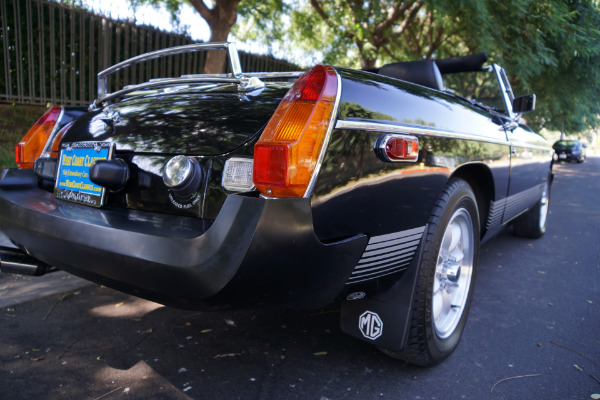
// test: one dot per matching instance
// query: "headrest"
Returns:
(424, 73)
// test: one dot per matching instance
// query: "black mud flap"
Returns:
(384, 319)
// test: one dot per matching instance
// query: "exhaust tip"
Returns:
(16, 261)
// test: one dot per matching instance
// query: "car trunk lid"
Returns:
(190, 122)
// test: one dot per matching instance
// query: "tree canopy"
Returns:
(220, 15)
(550, 47)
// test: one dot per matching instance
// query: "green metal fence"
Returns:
(52, 52)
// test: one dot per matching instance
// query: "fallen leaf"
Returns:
(320, 353)
(148, 331)
(206, 331)
(227, 355)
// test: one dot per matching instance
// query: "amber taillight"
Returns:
(32, 144)
(287, 153)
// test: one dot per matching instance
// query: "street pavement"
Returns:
(533, 333)
(15, 289)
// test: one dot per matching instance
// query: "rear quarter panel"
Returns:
(356, 192)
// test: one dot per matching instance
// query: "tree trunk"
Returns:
(215, 59)
(220, 19)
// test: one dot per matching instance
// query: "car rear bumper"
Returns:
(257, 251)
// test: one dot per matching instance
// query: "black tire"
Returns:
(432, 339)
(532, 224)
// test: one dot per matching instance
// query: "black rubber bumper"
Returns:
(257, 251)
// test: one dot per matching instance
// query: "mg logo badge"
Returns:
(370, 325)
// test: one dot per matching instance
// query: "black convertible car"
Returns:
(371, 188)
(569, 150)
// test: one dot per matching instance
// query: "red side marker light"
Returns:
(397, 148)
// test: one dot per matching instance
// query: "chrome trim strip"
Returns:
(523, 145)
(48, 146)
(387, 254)
(368, 277)
(161, 82)
(267, 75)
(336, 106)
(402, 128)
(384, 266)
(385, 258)
(396, 235)
(263, 75)
(376, 248)
(505, 210)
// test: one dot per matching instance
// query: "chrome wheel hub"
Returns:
(453, 272)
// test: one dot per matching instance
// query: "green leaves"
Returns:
(550, 47)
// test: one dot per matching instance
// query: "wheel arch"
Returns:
(480, 178)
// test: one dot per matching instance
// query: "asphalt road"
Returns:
(533, 333)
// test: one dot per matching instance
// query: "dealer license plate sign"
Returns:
(73, 182)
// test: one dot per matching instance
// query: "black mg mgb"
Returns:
(371, 188)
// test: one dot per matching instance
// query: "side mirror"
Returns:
(524, 104)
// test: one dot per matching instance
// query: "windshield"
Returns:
(479, 87)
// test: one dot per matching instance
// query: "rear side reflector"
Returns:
(32, 144)
(397, 148)
(288, 151)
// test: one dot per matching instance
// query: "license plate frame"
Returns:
(72, 176)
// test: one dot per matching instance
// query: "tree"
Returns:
(550, 46)
(220, 19)
(568, 89)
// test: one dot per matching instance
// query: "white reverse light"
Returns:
(237, 174)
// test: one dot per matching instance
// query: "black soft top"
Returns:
(429, 72)
(470, 63)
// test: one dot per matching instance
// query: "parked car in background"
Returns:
(569, 150)
(371, 188)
